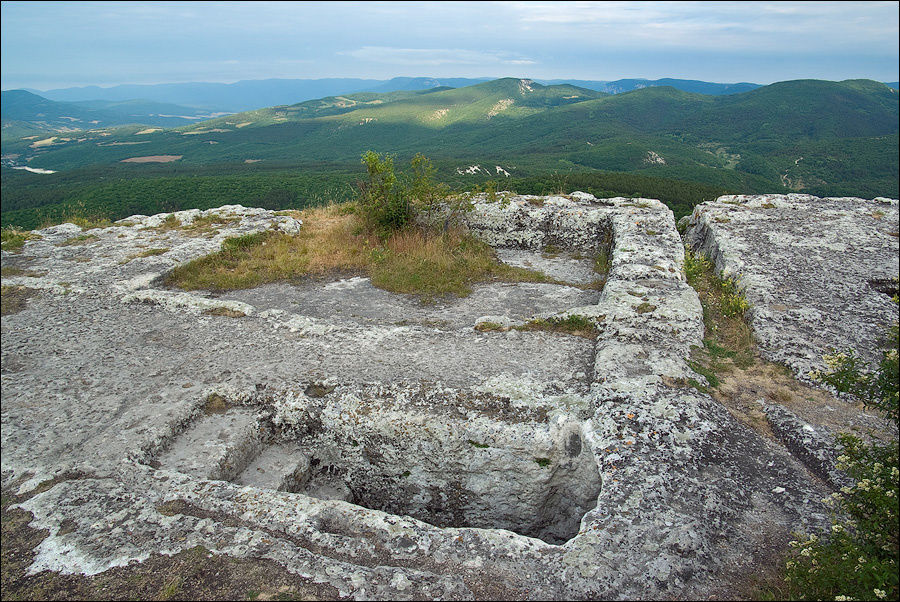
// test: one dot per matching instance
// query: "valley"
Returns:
(509, 133)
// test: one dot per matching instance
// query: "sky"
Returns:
(48, 45)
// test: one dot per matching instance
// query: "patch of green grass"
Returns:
(542, 462)
(693, 382)
(551, 251)
(602, 262)
(728, 342)
(572, 325)
(8, 272)
(147, 253)
(89, 223)
(172, 588)
(12, 240)
(645, 308)
(490, 327)
(706, 372)
(478, 445)
(576, 325)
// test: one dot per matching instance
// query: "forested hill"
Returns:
(255, 94)
(821, 137)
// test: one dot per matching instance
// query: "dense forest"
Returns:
(811, 136)
(34, 200)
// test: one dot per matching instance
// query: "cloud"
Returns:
(728, 26)
(436, 56)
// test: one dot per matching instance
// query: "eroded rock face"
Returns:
(385, 449)
(819, 273)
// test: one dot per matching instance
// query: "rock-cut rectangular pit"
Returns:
(526, 476)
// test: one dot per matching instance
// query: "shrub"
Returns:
(384, 203)
(426, 192)
(389, 202)
(847, 373)
(858, 559)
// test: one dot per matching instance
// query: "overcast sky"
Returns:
(60, 44)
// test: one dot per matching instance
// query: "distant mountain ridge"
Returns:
(686, 85)
(819, 137)
(41, 114)
(256, 94)
(831, 138)
(249, 94)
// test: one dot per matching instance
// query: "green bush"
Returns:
(425, 191)
(847, 373)
(384, 203)
(389, 202)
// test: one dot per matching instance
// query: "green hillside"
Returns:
(831, 138)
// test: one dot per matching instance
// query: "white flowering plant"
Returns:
(847, 373)
(858, 558)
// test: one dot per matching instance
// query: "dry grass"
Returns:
(13, 299)
(738, 376)
(333, 240)
(225, 312)
(170, 223)
(81, 239)
(430, 265)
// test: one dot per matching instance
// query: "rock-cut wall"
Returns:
(819, 273)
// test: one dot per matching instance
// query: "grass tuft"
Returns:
(13, 298)
(575, 325)
(12, 240)
(81, 239)
(146, 253)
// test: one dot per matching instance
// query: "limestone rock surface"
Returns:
(819, 273)
(385, 449)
